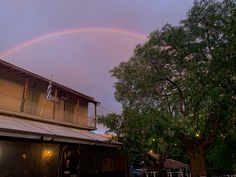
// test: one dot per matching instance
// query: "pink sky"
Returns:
(81, 60)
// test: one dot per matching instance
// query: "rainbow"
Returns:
(47, 36)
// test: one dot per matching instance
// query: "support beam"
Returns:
(54, 104)
(78, 110)
(95, 115)
(24, 96)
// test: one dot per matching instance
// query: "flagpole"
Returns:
(48, 95)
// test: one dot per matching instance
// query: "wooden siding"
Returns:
(66, 110)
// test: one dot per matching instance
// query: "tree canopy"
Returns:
(180, 86)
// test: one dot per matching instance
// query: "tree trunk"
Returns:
(198, 161)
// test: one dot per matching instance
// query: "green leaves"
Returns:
(179, 88)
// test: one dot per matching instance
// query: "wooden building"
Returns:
(46, 130)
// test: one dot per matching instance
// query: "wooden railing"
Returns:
(46, 110)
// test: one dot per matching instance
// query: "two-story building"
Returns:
(46, 130)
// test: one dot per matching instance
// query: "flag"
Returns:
(49, 90)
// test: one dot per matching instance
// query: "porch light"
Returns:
(47, 154)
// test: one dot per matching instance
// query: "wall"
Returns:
(28, 159)
(102, 161)
(21, 158)
(66, 110)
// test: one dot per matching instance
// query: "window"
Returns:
(69, 107)
(33, 102)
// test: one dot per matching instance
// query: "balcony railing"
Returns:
(45, 109)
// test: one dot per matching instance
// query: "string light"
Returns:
(197, 135)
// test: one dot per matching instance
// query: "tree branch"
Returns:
(213, 135)
(181, 97)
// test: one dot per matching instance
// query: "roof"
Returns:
(155, 156)
(171, 164)
(27, 74)
(22, 128)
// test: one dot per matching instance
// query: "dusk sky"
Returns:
(79, 41)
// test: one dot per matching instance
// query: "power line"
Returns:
(107, 110)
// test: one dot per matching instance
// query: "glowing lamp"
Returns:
(47, 154)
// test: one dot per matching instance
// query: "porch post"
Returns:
(78, 110)
(54, 104)
(95, 114)
(23, 100)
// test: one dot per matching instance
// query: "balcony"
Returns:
(46, 111)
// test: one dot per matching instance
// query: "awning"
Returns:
(23, 128)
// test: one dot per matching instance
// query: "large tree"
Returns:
(183, 80)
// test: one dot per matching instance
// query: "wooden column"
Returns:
(24, 96)
(78, 111)
(95, 114)
(54, 104)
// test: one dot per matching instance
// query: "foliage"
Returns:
(179, 88)
(112, 121)
(222, 155)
